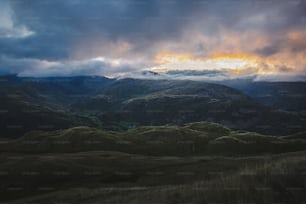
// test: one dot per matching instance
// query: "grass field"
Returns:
(195, 163)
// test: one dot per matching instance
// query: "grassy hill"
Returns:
(198, 162)
(198, 138)
(112, 177)
(43, 103)
(159, 102)
(115, 104)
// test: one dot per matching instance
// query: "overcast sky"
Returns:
(120, 37)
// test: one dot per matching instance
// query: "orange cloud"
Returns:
(237, 52)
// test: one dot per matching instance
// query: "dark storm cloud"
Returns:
(38, 46)
(61, 23)
(43, 68)
(62, 28)
(294, 43)
(268, 50)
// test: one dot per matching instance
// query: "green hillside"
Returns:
(63, 102)
(198, 138)
(198, 162)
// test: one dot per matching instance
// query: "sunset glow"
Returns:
(235, 64)
(242, 37)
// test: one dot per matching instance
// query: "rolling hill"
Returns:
(40, 104)
(199, 163)
(158, 102)
(121, 104)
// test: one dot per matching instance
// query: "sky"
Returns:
(122, 38)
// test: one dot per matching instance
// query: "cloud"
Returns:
(8, 28)
(210, 73)
(73, 33)
(199, 75)
(280, 77)
(44, 68)
(213, 76)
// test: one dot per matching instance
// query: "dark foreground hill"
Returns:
(200, 138)
(195, 163)
(138, 179)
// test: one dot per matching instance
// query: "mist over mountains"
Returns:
(212, 75)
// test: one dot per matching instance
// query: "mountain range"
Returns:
(52, 103)
(91, 139)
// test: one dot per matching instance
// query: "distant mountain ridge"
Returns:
(157, 102)
(289, 96)
(107, 103)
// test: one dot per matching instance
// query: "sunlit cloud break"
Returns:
(118, 38)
